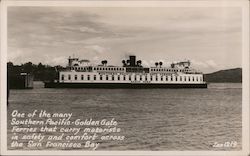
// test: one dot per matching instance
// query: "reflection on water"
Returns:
(151, 119)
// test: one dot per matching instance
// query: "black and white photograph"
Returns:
(145, 77)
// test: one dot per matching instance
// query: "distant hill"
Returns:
(229, 75)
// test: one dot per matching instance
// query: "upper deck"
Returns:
(130, 66)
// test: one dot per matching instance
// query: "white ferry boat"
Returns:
(82, 74)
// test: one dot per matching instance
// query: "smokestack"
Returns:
(132, 60)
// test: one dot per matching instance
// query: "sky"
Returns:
(210, 37)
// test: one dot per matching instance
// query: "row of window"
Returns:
(109, 68)
(98, 68)
(169, 70)
(124, 74)
(121, 77)
(122, 69)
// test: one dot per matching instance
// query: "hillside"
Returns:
(229, 75)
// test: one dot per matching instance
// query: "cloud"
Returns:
(96, 60)
(208, 35)
(211, 63)
(53, 26)
(61, 60)
(145, 63)
(96, 48)
(15, 54)
(87, 29)
(83, 29)
(208, 65)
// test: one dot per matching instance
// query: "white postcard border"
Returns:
(245, 66)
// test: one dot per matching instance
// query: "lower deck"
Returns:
(122, 85)
(127, 78)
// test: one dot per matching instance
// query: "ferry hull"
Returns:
(121, 85)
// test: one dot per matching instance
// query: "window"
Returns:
(156, 78)
(94, 77)
(176, 78)
(107, 77)
(100, 77)
(161, 78)
(166, 78)
(82, 78)
(184, 78)
(62, 77)
(118, 77)
(75, 77)
(94, 68)
(146, 78)
(69, 77)
(193, 78)
(124, 77)
(180, 78)
(188, 78)
(197, 79)
(140, 77)
(129, 78)
(113, 78)
(151, 78)
(171, 78)
(88, 77)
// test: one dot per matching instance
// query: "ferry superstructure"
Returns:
(82, 74)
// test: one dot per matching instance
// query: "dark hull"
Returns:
(121, 85)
